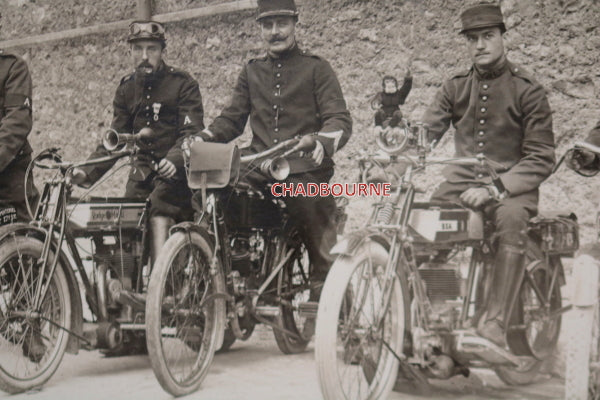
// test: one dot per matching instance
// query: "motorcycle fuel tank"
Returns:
(105, 216)
(442, 225)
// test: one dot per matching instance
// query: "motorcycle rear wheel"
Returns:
(21, 368)
(293, 289)
(183, 321)
(542, 329)
(356, 358)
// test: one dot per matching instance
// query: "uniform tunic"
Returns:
(170, 103)
(503, 114)
(15, 125)
(295, 94)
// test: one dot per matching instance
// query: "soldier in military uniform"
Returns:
(15, 151)
(285, 93)
(167, 101)
(499, 110)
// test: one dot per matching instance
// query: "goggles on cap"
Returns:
(146, 30)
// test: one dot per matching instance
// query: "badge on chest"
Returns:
(156, 110)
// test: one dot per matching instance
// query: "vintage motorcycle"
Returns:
(240, 263)
(105, 240)
(399, 304)
(582, 377)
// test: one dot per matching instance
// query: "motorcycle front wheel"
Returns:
(32, 341)
(184, 314)
(361, 324)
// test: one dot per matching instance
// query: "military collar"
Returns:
(493, 73)
(291, 52)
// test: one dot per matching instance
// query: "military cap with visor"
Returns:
(276, 8)
(484, 15)
(146, 30)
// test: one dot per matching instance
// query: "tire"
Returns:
(22, 369)
(367, 369)
(583, 341)
(542, 331)
(293, 289)
(182, 329)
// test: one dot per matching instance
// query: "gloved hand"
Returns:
(187, 144)
(580, 158)
(78, 176)
(166, 168)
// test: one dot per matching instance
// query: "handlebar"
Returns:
(573, 152)
(64, 166)
(586, 146)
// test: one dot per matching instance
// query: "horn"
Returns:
(277, 168)
(113, 140)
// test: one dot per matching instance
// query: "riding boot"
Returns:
(506, 277)
(159, 231)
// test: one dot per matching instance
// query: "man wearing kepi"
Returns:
(165, 102)
(15, 151)
(285, 93)
(500, 110)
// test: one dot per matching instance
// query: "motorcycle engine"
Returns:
(247, 250)
(445, 288)
(121, 259)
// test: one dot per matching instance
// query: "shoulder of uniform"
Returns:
(127, 78)
(521, 73)
(178, 71)
(9, 55)
(461, 73)
(307, 53)
(255, 59)
(6, 53)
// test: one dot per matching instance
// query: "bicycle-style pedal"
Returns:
(308, 309)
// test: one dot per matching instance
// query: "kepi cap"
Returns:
(271, 8)
(482, 16)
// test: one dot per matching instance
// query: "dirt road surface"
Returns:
(252, 370)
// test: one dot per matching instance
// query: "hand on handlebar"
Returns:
(318, 153)
(186, 146)
(78, 176)
(580, 158)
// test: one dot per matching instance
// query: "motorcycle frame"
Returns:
(213, 215)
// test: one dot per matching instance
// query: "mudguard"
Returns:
(22, 229)
(349, 243)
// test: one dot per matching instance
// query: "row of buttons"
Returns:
(277, 93)
(485, 86)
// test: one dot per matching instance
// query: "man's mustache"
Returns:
(144, 64)
(276, 39)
